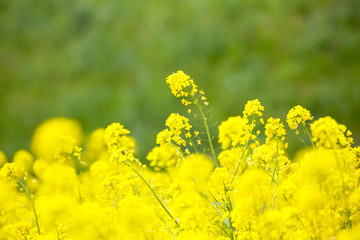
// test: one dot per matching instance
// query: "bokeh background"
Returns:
(103, 61)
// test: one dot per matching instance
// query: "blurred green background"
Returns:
(105, 61)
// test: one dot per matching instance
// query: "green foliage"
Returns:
(106, 61)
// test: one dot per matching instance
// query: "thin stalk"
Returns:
(237, 167)
(57, 231)
(224, 231)
(341, 175)
(157, 197)
(202, 194)
(193, 145)
(172, 233)
(80, 197)
(309, 134)
(117, 195)
(177, 150)
(277, 174)
(230, 210)
(272, 180)
(32, 202)
(216, 161)
(242, 154)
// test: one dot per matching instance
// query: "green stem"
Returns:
(309, 134)
(225, 231)
(230, 208)
(242, 154)
(216, 161)
(157, 197)
(276, 167)
(238, 165)
(341, 174)
(172, 233)
(202, 194)
(193, 145)
(177, 150)
(272, 180)
(117, 195)
(32, 202)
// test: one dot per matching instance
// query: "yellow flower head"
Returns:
(235, 131)
(196, 166)
(274, 129)
(328, 133)
(253, 107)
(120, 145)
(177, 125)
(66, 150)
(44, 141)
(298, 115)
(181, 85)
(219, 178)
(163, 157)
(9, 174)
(23, 161)
(175, 122)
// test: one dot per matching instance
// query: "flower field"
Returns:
(72, 186)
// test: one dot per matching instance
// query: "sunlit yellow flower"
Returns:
(274, 129)
(298, 115)
(235, 131)
(253, 107)
(121, 146)
(329, 134)
(44, 140)
(181, 85)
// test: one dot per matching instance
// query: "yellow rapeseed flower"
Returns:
(298, 115)
(253, 107)
(120, 146)
(44, 140)
(23, 161)
(329, 134)
(181, 85)
(234, 132)
(274, 129)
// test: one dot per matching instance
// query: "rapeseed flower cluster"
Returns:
(72, 186)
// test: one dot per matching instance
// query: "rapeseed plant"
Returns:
(75, 187)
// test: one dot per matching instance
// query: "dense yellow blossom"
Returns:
(274, 129)
(23, 162)
(329, 134)
(67, 152)
(44, 140)
(298, 115)
(172, 143)
(9, 173)
(181, 85)
(229, 158)
(163, 157)
(253, 107)
(121, 146)
(63, 189)
(234, 132)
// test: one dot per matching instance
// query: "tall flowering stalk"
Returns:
(182, 86)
